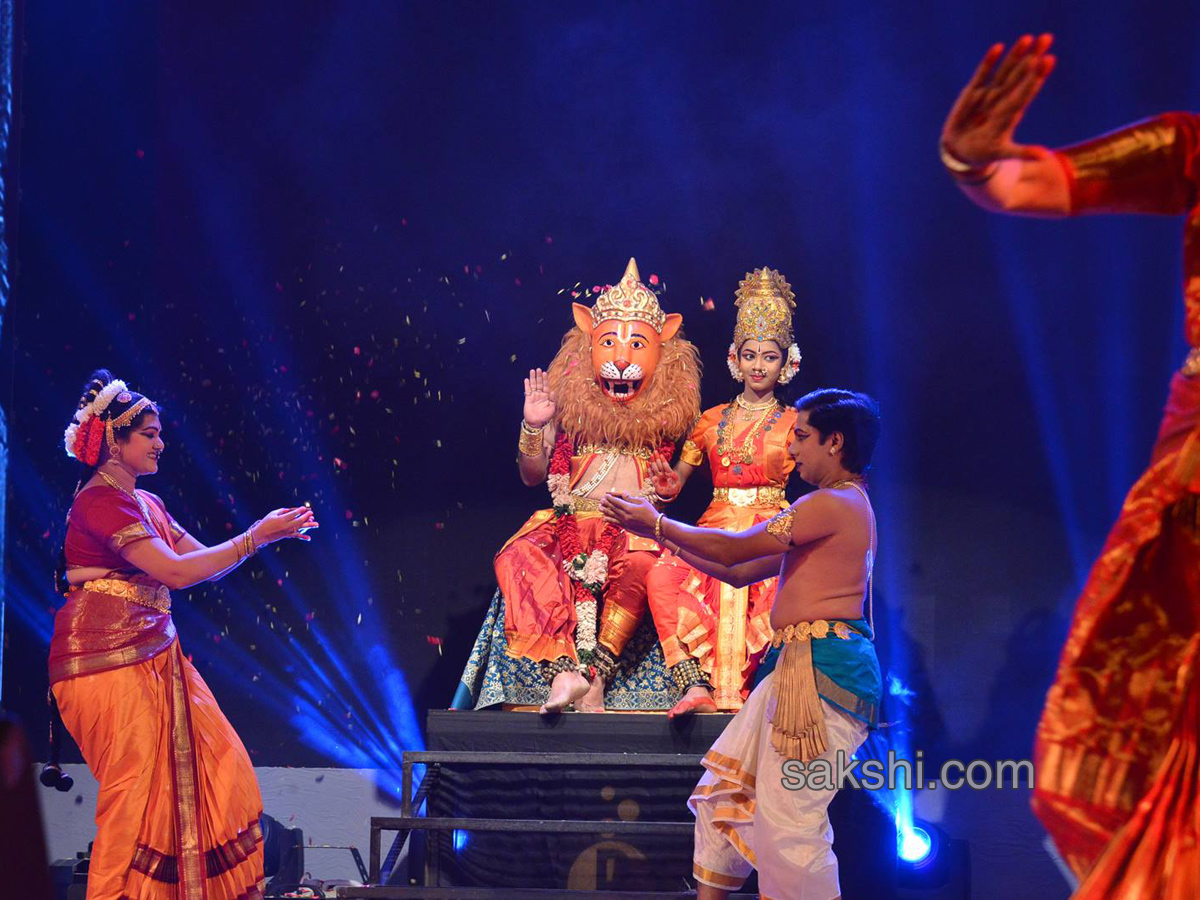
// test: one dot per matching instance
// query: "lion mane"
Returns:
(665, 410)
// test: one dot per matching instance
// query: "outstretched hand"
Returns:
(666, 483)
(278, 524)
(634, 514)
(539, 402)
(979, 129)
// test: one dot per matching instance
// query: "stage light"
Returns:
(932, 865)
(915, 845)
(460, 840)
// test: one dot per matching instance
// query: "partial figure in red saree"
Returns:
(1117, 761)
(178, 810)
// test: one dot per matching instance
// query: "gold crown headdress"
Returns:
(765, 302)
(629, 301)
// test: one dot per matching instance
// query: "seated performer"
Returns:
(178, 810)
(824, 692)
(1118, 745)
(713, 634)
(622, 389)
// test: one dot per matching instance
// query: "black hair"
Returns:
(855, 416)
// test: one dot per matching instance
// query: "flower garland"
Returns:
(589, 572)
(85, 434)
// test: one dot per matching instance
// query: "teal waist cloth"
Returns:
(847, 672)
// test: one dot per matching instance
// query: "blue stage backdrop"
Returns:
(331, 238)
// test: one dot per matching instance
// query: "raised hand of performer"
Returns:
(977, 145)
(979, 129)
(634, 514)
(539, 402)
(538, 412)
(289, 522)
(663, 479)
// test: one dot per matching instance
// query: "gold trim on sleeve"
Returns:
(136, 532)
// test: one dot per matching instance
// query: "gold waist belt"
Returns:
(768, 496)
(803, 631)
(798, 720)
(585, 504)
(142, 594)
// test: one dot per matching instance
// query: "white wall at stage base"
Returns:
(332, 806)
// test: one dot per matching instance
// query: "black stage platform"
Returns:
(586, 802)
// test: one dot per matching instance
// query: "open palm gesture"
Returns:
(666, 483)
(980, 127)
(539, 403)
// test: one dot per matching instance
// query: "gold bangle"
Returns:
(658, 535)
(967, 173)
(530, 441)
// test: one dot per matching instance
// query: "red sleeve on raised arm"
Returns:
(1146, 167)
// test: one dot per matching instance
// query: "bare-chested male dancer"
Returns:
(823, 695)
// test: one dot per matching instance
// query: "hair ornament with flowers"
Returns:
(94, 421)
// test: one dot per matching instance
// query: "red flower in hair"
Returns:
(94, 441)
(79, 447)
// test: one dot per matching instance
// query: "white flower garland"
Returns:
(791, 366)
(560, 491)
(107, 394)
(585, 627)
(592, 570)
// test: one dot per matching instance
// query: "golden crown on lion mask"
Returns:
(765, 302)
(629, 301)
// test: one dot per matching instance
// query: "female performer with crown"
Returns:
(713, 633)
(178, 810)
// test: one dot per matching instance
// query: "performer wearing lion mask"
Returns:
(621, 390)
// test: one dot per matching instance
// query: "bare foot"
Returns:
(565, 689)
(593, 700)
(695, 699)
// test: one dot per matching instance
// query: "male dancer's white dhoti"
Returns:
(746, 818)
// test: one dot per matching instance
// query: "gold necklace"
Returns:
(755, 407)
(113, 483)
(745, 456)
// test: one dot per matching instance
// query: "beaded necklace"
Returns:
(744, 455)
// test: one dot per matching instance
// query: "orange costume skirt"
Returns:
(1117, 761)
(540, 615)
(725, 629)
(178, 811)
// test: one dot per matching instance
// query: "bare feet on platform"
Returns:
(565, 689)
(695, 699)
(593, 700)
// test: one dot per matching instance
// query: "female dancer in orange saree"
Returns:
(1117, 755)
(178, 810)
(713, 633)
